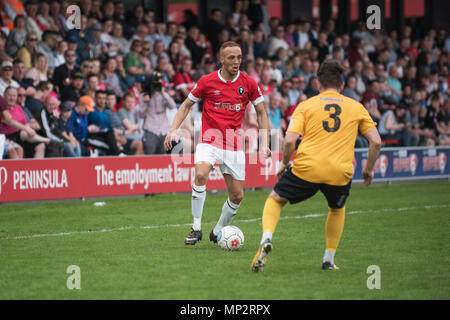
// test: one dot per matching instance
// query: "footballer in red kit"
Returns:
(224, 104)
(225, 94)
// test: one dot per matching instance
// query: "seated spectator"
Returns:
(183, 81)
(131, 123)
(175, 55)
(50, 127)
(47, 47)
(100, 125)
(443, 123)
(17, 36)
(350, 86)
(313, 87)
(27, 53)
(72, 147)
(73, 91)
(429, 115)
(63, 73)
(6, 80)
(156, 124)
(133, 63)
(419, 135)
(112, 82)
(393, 127)
(19, 72)
(16, 127)
(371, 100)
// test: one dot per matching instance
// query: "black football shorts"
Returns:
(296, 190)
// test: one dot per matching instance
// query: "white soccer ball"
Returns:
(230, 238)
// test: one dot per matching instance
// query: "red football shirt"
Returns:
(224, 104)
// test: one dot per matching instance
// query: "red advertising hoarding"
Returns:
(65, 178)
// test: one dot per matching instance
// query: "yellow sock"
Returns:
(334, 227)
(271, 214)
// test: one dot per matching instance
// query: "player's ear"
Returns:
(341, 87)
(319, 86)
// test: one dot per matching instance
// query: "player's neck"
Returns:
(226, 75)
(329, 89)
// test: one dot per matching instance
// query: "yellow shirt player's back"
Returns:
(329, 123)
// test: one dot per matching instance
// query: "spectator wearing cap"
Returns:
(83, 38)
(63, 73)
(73, 91)
(78, 121)
(6, 74)
(98, 48)
(72, 146)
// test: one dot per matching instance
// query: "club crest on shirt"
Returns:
(241, 90)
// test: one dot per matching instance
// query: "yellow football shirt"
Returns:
(329, 123)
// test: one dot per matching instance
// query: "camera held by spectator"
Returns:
(152, 83)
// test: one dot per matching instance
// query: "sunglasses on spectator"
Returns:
(32, 39)
(145, 48)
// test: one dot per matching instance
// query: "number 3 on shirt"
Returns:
(333, 115)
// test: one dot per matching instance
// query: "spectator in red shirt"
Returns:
(183, 81)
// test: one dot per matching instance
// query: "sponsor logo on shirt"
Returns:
(227, 106)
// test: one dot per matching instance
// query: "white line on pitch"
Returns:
(313, 215)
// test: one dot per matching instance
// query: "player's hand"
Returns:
(266, 152)
(283, 169)
(368, 177)
(171, 136)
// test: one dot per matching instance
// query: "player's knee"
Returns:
(201, 178)
(237, 197)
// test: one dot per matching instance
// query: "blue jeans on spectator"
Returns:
(70, 152)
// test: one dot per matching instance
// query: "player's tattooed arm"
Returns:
(181, 114)
(264, 128)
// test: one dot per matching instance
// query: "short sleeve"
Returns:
(198, 91)
(365, 123)
(256, 95)
(297, 123)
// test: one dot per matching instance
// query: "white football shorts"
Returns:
(230, 161)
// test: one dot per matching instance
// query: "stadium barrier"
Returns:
(65, 178)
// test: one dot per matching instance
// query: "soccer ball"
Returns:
(230, 238)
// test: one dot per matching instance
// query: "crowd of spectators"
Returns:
(79, 92)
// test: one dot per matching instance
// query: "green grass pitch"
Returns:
(132, 248)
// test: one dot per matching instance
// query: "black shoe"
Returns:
(329, 266)
(193, 237)
(212, 237)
